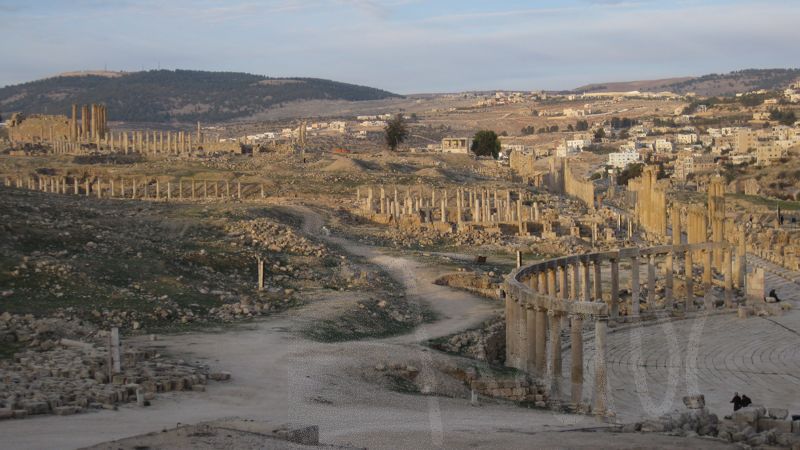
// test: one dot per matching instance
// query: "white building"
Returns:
(456, 145)
(686, 138)
(621, 160)
(662, 146)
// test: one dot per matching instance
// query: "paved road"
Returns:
(651, 368)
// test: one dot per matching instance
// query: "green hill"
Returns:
(707, 85)
(180, 95)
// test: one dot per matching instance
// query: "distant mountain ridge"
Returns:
(706, 85)
(179, 95)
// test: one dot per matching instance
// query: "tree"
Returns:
(582, 125)
(632, 171)
(485, 143)
(599, 134)
(396, 131)
(527, 131)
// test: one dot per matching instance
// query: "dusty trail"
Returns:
(278, 376)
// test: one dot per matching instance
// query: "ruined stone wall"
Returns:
(522, 164)
(696, 225)
(577, 187)
(38, 128)
(223, 146)
(651, 202)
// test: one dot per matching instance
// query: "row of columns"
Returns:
(579, 279)
(478, 207)
(138, 189)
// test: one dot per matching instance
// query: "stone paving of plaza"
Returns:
(651, 368)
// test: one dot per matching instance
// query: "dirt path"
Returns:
(278, 376)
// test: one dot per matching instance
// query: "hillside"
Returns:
(627, 86)
(180, 95)
(706, 85)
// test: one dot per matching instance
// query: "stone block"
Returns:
(796, 426)
(198, 387)
(34, 407)
(777, 413)
(299, 434)
(743, 312)
(6, 413)
(20, 413)
(631, 427)
(694, 401)
(220, 376)
(653, 426)
(65, 410)
(745, 416)
(782, 426)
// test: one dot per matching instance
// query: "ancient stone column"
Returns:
(169, 190)
(555, 357)
(598, 280)
(668, 282)
(551, 282)
(541, 283)
(613, 307)
(193, 189)
(509, 331)
(575, 283)
(564, 281)
(541, 342)
(522, 231)
(689, 271)
(728, 269)
(576, 353)
(676, 225)
(116, 361)
(600, 370)
(651, 281)
(85, 122)
(635, 287)
(458, 209)
(587, 281)
(522, 335)
(87, 188)
(260, 274)
(741, 258)
(73, 124)
(530, 316)
(707, 268)
(158, 190)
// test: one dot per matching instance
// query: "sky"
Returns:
(405, 46)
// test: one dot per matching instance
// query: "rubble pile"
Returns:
(755, 426)
(41, 333)
(518, 389)
(485, 284)
(487, 343)
(265, 234)
(74, 376)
